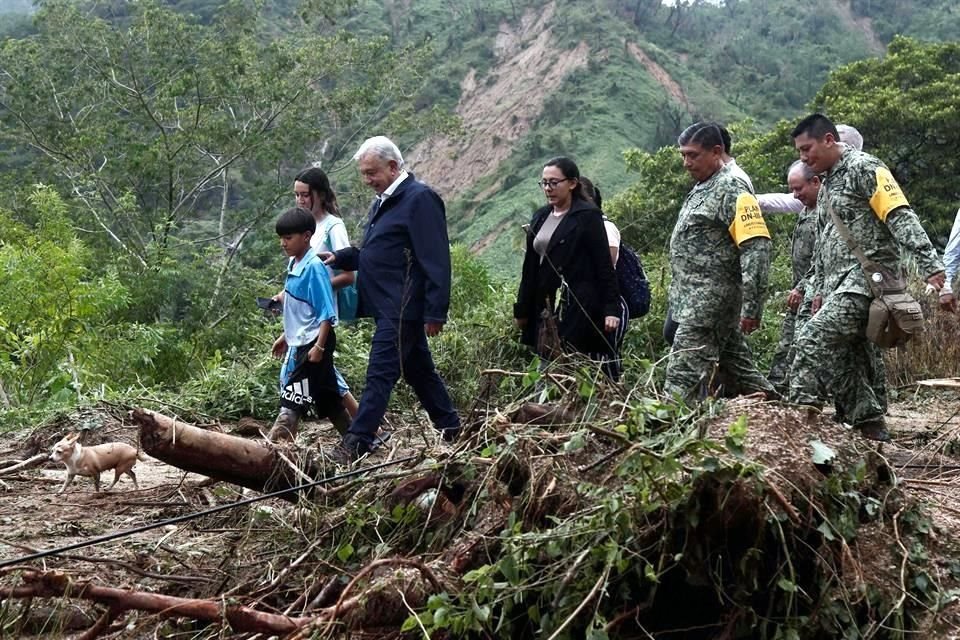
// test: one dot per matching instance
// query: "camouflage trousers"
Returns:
(832, 350)
(699, 354)
(783, 357)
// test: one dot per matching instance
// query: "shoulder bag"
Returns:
(895, 315)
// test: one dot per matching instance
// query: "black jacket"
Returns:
(403, 265)
(579, 257)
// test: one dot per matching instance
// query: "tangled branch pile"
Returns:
(594, 517)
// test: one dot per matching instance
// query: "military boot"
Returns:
(875, 429)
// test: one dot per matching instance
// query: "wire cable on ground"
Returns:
(190, 516)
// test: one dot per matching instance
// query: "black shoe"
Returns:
(874, 430)
(380, 439)
(450, 434)
(350, 449)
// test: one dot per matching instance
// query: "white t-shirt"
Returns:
(779, 203)
(613, 237)
(951, 255)
(331, 235)
(740, 173)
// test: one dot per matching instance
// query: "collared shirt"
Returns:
(307, 300)
(393, 186)
(869, 202)
(719, 254)
(804, 240)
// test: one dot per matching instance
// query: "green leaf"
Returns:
(650, 573)
(533, 612)
(736, 435)
(787, 585)
(345, 552)
(597, 633)
(827, 531)
(586, 389)
(482, 613)
(508, 567)
(575, 443)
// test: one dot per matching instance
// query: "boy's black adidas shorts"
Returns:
(311, 384)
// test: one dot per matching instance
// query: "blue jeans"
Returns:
(399, 348)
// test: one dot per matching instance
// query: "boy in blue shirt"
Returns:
(307, 377)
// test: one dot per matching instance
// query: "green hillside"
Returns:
(530, 79)
(762, 60)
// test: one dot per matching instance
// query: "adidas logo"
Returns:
(298, 393)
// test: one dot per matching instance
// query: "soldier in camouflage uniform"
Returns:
(864, 194)
(720, 258)
(804, 237)
(805, 185)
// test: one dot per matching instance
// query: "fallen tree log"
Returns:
(53, 584)
(25, 464)
(240, 461)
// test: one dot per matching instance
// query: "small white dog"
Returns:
(92, 461)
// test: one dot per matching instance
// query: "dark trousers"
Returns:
(398, 349)
(305, 385)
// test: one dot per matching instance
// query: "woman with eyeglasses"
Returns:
(567, 274)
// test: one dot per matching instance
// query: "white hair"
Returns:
(803, 168)
(849, 135)
(382, 147)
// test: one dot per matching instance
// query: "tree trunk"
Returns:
(225, 457)
(240, 618)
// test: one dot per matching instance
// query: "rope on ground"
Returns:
(190, 516)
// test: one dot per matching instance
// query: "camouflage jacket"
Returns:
(868, 200)
(804, 239)
(719, 254)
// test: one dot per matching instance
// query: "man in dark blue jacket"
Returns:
(403, 281)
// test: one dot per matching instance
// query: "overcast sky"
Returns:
(18, 6)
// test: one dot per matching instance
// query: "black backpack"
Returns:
(633, 283)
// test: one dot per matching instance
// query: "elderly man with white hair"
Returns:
(786, 202)
(403, 281)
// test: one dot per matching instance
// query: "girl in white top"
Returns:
(311, 190)
(612, 362)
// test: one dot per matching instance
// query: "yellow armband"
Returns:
(747, 220)
(888, 195)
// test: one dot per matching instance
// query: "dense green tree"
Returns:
(172, 143)
(907, 106)
(54, 310)
(159, 121)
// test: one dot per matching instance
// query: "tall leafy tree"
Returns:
(907, 105)
(170, 139)
(155, 121)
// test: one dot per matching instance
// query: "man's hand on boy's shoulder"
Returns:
(279, 347)
(327, 257)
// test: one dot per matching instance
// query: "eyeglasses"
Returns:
(550, 184)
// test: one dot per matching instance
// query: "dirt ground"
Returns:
(180, 559)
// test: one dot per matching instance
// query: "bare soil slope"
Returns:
(499, 109)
